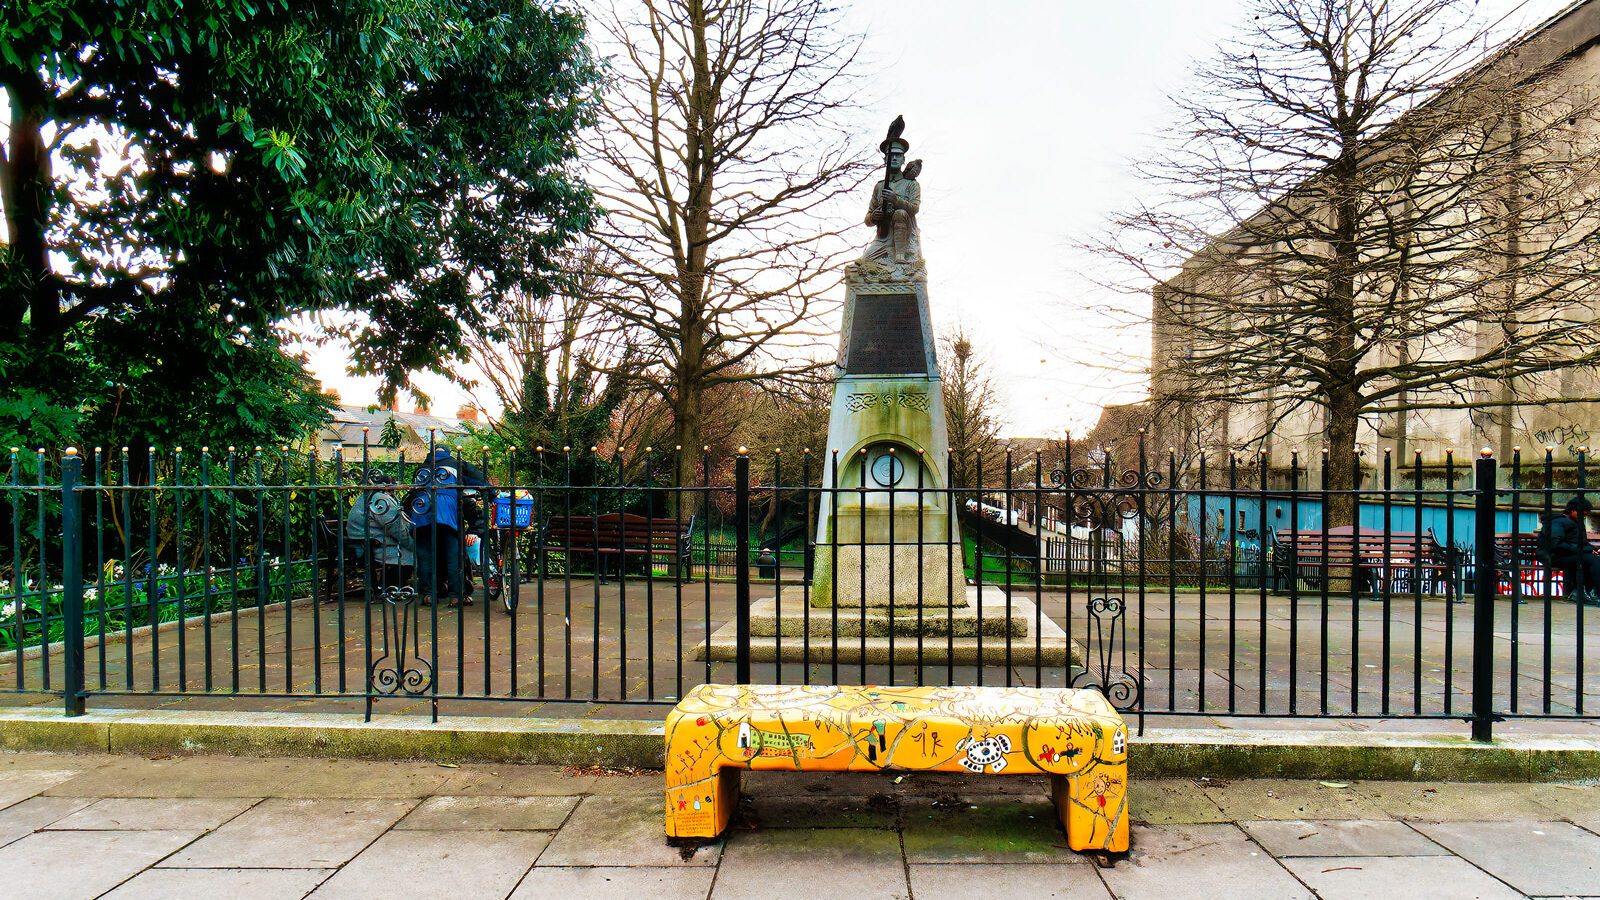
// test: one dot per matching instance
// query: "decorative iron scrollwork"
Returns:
(1122, 689)
(401, 669)
(1095, 477)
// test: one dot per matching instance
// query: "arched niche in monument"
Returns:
(881, 464)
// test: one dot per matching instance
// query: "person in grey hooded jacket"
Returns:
(377, 517)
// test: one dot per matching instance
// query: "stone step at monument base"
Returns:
(768, 619)
(1051, 647)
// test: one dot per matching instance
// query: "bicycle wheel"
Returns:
(498, 589)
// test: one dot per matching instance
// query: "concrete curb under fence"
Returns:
(1160, 753)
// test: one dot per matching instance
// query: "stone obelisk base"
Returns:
(887, 575)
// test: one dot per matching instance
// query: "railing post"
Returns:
(71, 582)
(1484, 584)
(741, 524)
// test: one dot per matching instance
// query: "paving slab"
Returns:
(23, 760)
(17, 785)
(1199, 861)
(1412, 877)
(22, 819)
(615, 883)
(1172, 801)
(1031, 880)
(1452, 802)
(644, 784)
(466, 864)
(621, 831)
(126, 776)
(515, 781)
(224, 776)
(294, 834)
(246, 884)
(762, 864)
(489, 814)
(1348, 837)
(38, 868)
(1576, 803)
(1537, 858)
(999, 830)
(138, 814)
(1267, 798)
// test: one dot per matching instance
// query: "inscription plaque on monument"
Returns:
(886, 336)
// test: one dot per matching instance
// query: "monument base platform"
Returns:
(948, 634)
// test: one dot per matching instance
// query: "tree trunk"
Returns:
(689, 380)
(687, 429)
(25, 194)
(1343, 392)
(1344, 406)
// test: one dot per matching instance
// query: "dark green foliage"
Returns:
(577, 412)
(391, 435)
(395, 168)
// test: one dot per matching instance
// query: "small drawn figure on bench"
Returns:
(989, 753)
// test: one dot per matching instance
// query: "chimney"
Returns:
(333, 394)
(394, 405)
(421, 410)
(468, 413)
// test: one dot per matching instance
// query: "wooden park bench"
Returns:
(337, 547)
(1073, 736)
(1370, 559)
(617, 537)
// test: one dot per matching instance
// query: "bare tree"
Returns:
(547, 358)
(1364, 214)
(971, 406)
(722, 145)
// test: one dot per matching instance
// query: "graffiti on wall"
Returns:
(1569, 436)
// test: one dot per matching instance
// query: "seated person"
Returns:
(1564, 546)
(376, 518)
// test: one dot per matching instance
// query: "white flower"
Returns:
(9, 611)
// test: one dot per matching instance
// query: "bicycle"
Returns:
(508, 517)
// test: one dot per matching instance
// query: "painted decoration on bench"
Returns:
(1074, 735)
(989, 753)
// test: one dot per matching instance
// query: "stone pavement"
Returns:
(124, 827)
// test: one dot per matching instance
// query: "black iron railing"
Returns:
(1228, 586)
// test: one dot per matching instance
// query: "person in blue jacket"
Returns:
(435, 508)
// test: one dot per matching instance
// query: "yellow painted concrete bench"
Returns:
(1074, 736)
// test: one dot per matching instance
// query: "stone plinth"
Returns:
(906, 522)
(888, 575)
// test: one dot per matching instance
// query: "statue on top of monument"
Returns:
(895, 201)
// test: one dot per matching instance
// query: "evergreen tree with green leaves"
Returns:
(179, 181)
(391, 435)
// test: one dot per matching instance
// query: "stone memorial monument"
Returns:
(887, 536)
(888, 580)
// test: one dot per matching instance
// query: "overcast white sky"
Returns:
(1028, 114)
